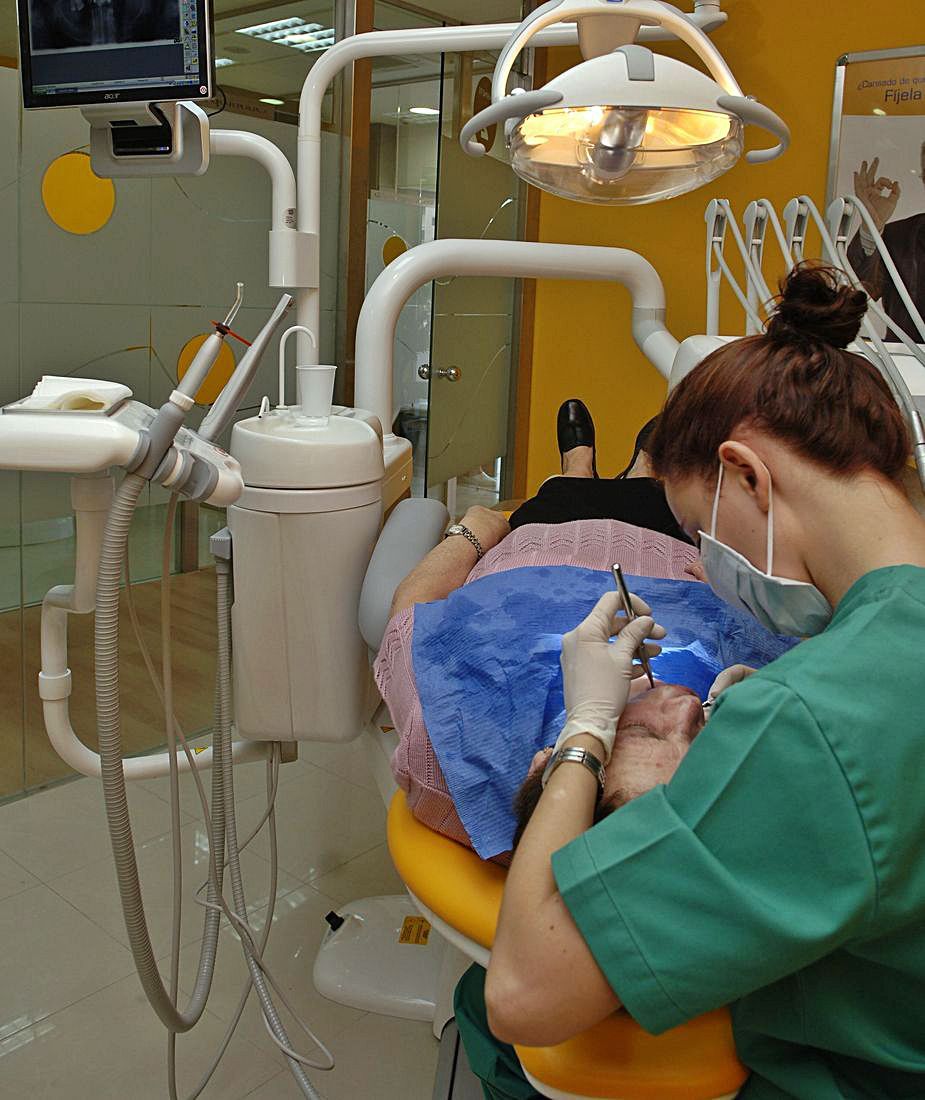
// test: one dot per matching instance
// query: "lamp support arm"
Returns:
(511, 259)
(322, 74)
(635, 12)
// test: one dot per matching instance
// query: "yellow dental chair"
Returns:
(460, 894)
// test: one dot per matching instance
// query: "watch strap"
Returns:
(462, 529)
(575, 755)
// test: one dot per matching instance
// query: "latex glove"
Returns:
(597, 675)
(735, 674)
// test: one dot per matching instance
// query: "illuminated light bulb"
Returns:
(614, 149)
(626, 155)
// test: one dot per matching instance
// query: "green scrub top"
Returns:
(782, 870)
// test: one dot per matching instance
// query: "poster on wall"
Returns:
(878, 156)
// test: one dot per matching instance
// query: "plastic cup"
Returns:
(316, 393)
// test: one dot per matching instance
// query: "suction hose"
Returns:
(271, 1016)
(223, 828)
(115, 540)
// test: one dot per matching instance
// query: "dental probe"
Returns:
(631, 614)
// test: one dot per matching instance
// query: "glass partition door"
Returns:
(474, 330)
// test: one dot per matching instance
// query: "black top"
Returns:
(636, 500)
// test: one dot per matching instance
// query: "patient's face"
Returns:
(653, 736)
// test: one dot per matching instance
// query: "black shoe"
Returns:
(575, 428)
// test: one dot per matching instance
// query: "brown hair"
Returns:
(796, 382)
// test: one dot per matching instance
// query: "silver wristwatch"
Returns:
(462, 529)
(575, 755)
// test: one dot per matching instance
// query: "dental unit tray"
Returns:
(55, 393)
(45, 432)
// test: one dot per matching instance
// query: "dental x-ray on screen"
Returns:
(80, 23)
(110, 51)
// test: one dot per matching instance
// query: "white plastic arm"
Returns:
(715, 218)
(511, 259)
(293, 255)
(722, 207)
(753, 273)
(839, 222)
(805, 209)
(756, 226)
(653, 12)
(423, 41)
(91, 498)
(239, 143)
(765, 208)
(320, 77)
(840, 216)
(796, 218)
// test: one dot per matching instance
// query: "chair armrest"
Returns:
(413, 529)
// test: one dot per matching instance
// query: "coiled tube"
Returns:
(115, 540)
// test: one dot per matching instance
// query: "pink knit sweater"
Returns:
(590, 544)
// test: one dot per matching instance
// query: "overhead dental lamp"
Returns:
(626, 125)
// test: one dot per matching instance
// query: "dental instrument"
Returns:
(630, 613)
(232, 396)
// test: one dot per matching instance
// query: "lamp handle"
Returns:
(750, 110)
(282, 358)
(512, 106)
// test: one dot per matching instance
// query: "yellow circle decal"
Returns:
(393, 248)
(216, 379)
(76, 199)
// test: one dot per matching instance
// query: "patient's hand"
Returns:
(697, 571)
(488, 526)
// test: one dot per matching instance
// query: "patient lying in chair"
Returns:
(588, 544)
(469, 663)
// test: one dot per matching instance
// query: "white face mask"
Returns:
(782, 605)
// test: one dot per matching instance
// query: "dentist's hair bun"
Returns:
(817, 306)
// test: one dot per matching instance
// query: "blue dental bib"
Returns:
(486, 663)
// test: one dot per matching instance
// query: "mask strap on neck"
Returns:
(770, 569)
(719, 486)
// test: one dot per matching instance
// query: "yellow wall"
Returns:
(782, 52)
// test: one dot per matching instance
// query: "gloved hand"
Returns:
(596, 674)
(735, 674)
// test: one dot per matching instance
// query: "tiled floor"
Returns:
(74, 1023)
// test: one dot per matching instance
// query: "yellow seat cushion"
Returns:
(696, 1061)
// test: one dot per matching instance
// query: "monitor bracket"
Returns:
(148, 139)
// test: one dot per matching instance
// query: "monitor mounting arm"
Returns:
(148, 139)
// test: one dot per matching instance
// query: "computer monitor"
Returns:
(79, 52)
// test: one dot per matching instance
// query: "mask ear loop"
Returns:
(719, 485)
(770, 552)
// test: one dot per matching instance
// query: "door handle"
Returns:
(451, 374)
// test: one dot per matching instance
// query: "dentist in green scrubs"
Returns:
(782, 870)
